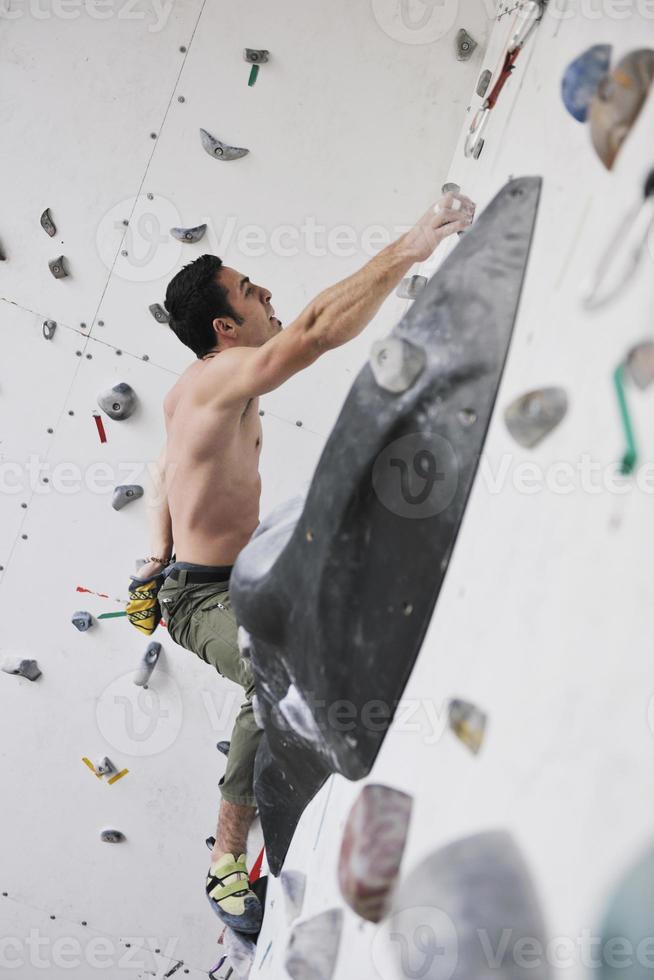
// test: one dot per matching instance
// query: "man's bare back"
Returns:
(212, 471)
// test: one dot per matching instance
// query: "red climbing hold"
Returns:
(371, 851)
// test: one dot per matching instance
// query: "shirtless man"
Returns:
(209, 504)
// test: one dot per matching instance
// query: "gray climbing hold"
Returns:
(468, 722)
(190, 235)
(221, 151)
(82, 620)
(49, 328)
(118, 402)
(535, 414)
(477, 887)
(104, 766)
(22, 668)
(483, 82)
(372, 848)
(396, 363)
(158, 312)
(313, 947)
(256, 56)
(411, 287)
(628, 924)
(148, 663)
(240, 952)
(48, 224)
(293, 884)
(224, 747)
(58, 267)
(465, 45)
(124, 494)
(112, 837)
(640, 364)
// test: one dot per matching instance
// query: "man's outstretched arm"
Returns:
(336, 315)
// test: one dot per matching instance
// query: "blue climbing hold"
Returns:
(582, 77)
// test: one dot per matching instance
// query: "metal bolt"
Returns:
(150, 197)
(89, 357)
(153, 136)
(101, 323)
(124, 252)
(119, 352)
(70, 411)
(180, 98)
(146, 357)
(78, 353)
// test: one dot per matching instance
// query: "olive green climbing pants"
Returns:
(200, 619)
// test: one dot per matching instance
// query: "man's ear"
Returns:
(224, 327)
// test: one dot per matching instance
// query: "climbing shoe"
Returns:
(143, 609)
(230, 895)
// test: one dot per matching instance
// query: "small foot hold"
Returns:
(535, 414)
(465, 45)
(58, 267)
(190, 235)
(112, 837)
(118, 402)
(224, 747)
(48, 224)
(125, 494)
(49, 328)
(468, 722)
(158, 312)
(411, 287)
(396, 363)
(22, 668)
(148, 663)
(82, 620)
(219, 150)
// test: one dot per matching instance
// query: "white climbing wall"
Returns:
(351, 127)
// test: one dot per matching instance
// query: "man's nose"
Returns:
(265, 294)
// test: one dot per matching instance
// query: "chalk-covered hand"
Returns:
(451, 214)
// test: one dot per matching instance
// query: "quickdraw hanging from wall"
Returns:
(624, 253)
(527, 16)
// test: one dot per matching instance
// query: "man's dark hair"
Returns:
(194, 299)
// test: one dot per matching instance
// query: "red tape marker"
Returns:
(100, 425)
(255, 874)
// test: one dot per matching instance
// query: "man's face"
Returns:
(253, 304)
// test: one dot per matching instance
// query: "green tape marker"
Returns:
(111, 615)
(630, 457)
(254, 74)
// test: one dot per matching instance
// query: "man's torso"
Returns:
(212, 473)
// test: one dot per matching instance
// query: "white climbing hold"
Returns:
(125, 494)
(21, 667)
(190, 235)
(158, 312)
(372, 848)
(313, 947)
(535, 414)
(396, 363)
(293, 887)
(148, 663)
(468, 722)
(411, 287)
(240, 953)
